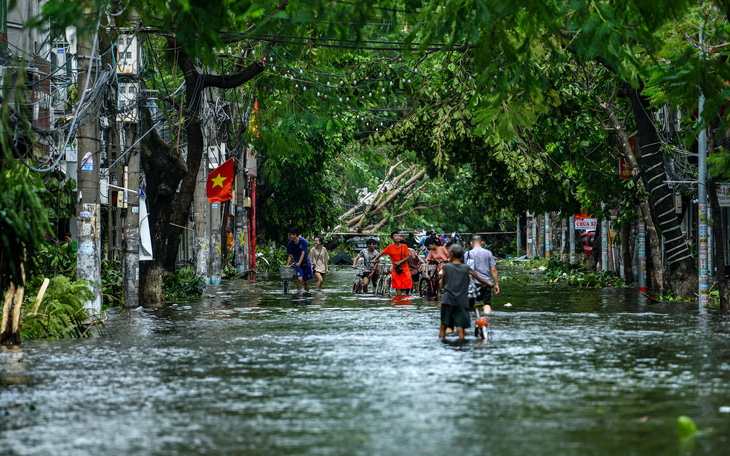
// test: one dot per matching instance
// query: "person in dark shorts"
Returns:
(482, 262)
(297, 251)
(369, 274)
(455, 298)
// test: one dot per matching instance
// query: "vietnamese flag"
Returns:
(220, 182)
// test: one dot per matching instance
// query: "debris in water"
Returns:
(725, 409)
(508, 304)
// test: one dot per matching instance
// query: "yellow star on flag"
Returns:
(218, 181)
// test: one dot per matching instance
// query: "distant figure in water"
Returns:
(320, 261)
(455, 298)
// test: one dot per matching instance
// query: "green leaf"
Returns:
(686, 427)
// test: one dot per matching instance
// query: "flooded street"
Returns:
(252, 371)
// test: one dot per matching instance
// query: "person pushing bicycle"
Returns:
(437, 255)
(369, 274)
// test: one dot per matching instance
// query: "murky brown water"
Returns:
(251, 371)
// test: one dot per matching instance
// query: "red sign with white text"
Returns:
(584, 221)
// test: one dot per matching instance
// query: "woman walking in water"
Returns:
(320, 261)
(400, 275)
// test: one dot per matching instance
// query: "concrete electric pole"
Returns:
(88, 258)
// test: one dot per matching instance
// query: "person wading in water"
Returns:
(320, 261)
(400, 275)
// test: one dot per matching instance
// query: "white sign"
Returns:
(87, 164)
(586, 224)
(723, 195)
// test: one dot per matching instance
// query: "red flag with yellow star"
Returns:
(220, 182)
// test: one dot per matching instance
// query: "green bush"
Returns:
(182, 285)
(561, 273)
(61, 312)
(112, 282)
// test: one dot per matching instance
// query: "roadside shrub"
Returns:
(182, 285)
(60, 314)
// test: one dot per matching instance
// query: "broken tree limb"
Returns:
(361, 221)
(410, 196)
(39, 298)
(363, 206)
(414, 210)
(10, 327)
(398, 191)
(376, 201)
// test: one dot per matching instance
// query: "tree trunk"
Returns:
(652, 237)
(719, 238)
(164, 168)
(682, 277)
(595, 258)
(10, 327)
(164, 172)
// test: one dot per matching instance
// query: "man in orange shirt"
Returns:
(398, 253)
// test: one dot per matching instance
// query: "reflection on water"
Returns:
(249, 370)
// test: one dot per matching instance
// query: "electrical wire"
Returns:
(62, 151)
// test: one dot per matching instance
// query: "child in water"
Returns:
(455, 298)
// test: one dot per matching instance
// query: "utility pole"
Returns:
(541, 240)
(252, 171)
(572, 239)
(200, 219)
(215, 224)
(528, 226)
(548, 235)
(131, 220)
(704, 288)
(88, 257)
(240, 253)
(604, 242)
(563, 228)
(642, 254)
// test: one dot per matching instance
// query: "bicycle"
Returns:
(287, 273)
(262, 264)
(430, 285)
(357, 287)
(384, 283)
(481, 325)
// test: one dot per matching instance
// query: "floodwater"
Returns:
(252, 371)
